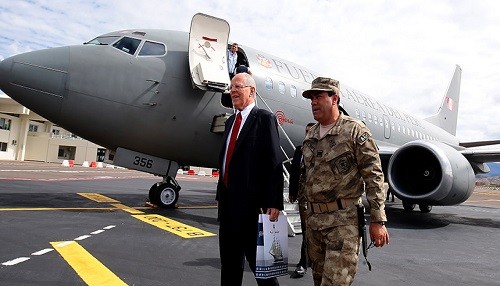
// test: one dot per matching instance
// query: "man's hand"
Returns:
(379, 234)
(273, 214)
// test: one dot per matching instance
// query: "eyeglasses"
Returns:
(238, 87)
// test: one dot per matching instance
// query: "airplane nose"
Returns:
(37, 80)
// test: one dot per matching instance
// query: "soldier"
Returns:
(341, 161)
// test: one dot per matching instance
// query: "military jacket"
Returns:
(343, 164)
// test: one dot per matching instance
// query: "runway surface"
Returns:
(91, 226)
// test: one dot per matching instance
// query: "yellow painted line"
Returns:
(98, 198)
(86, 266)
(197, 207)
(175, 227)
(127, 209)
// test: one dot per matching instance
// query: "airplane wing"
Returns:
(479, 143)
(482, 155)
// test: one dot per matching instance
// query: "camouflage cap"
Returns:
(322, 84)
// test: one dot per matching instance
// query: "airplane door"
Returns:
(208, 40)
(387, 127)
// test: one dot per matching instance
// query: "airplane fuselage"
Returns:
(116, 97)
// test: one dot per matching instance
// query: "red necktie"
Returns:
(232, 143)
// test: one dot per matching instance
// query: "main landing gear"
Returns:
(165, 194)
(411, 206)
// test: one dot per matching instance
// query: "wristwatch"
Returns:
(380, 222)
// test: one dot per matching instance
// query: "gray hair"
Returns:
(249, 80)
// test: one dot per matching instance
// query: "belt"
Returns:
(339, 204)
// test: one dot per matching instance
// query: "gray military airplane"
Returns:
(158, 100)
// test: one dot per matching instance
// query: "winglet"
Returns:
(447, 115)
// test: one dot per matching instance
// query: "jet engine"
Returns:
(430, 173)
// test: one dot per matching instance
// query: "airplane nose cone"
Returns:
(37, 80)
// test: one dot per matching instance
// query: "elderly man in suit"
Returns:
(251, 181)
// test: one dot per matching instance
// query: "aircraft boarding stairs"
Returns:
(291, 211)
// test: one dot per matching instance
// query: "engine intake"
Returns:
(430, 172)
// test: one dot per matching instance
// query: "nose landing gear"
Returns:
(165, 194)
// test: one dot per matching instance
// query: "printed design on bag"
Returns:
(275, 249)
(260, 236)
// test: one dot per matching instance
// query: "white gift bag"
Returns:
(272, 247)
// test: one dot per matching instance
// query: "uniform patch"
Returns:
(363, 137)
(310, 145)
(332, 142)
(344, 163)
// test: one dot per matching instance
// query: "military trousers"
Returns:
(334, 254)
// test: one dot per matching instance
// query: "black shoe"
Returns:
(299, 272)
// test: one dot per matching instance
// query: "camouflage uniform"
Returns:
(341, 165)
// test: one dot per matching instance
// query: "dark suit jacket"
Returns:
(255, 170)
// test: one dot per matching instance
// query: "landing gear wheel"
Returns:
(152, 196)
(425, 208)
(165, 195)
(408, 206)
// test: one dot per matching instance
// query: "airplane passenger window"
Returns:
(281, 87)
(152, 49)
(293, 91)
(104, 40)
(128, 45)
(269, 83)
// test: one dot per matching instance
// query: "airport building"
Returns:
(24, 135)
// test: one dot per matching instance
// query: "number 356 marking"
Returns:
(143, 162)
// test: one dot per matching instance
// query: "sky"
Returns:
(400, 52)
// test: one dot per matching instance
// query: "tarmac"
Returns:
(93, 226)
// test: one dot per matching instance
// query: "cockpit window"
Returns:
(152, 49)
(104, 40)
(128, 45)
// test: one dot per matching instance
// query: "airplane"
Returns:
(158, 99)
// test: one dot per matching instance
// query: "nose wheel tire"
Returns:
(164, 195)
